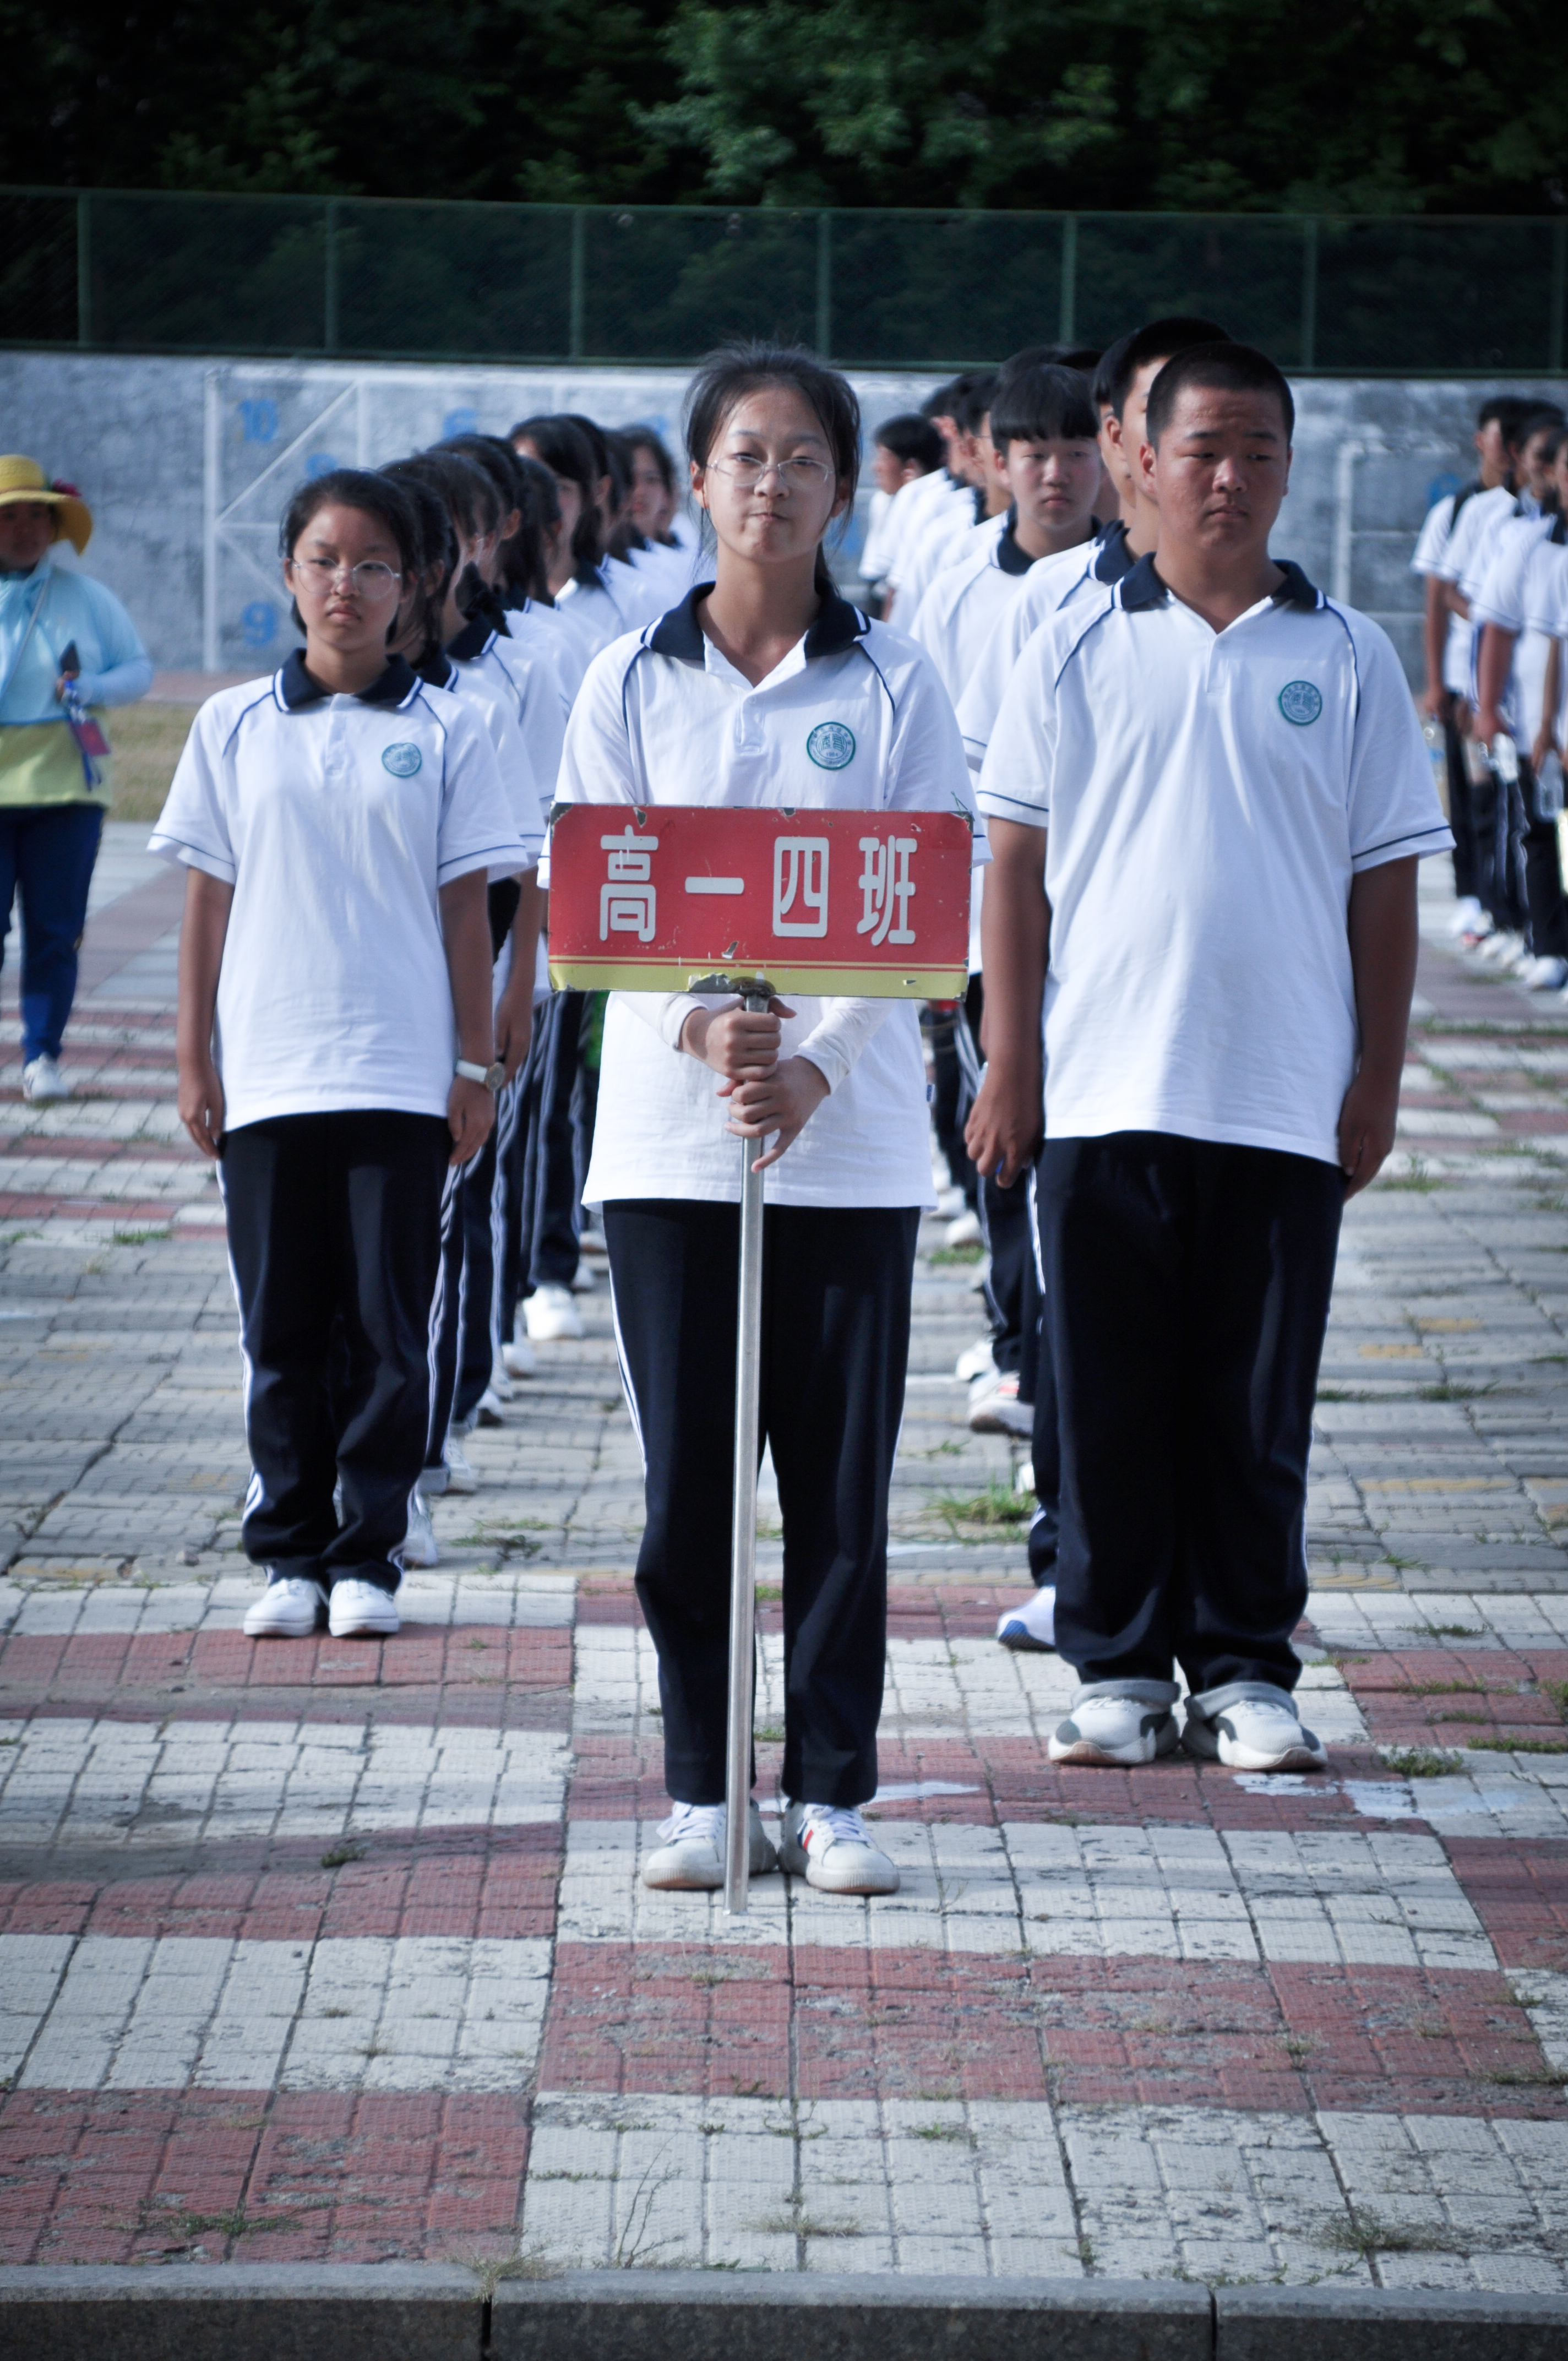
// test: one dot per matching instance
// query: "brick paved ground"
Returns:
(336, 1949)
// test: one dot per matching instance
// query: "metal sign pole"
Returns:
(743, 1541)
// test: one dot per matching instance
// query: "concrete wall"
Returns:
(188, 464)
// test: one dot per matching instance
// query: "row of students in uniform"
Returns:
(424, 589)
(1495, 567)
(1206, 791)
(1085, 520)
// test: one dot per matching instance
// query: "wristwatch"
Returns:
(491, 1076)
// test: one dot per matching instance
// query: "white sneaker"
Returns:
(964, 1231)
(975, 1361)
(461, 1474)
(1032, 1627)
(995, 1409)
(583, 1280)
(1544, 975)
(500, 1384)
(419, 1547)
(827, 1845)
(949, 1203)
(290, 1607)
(517, 1358)
(358, 1609)
(1468, 916)
(1501, 949)
(43, 1082)
(490, 1409)
(1112, 1722)
(550, 1313)
(689, 1857)
(1251, 1726)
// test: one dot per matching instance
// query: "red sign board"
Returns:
(654, 897)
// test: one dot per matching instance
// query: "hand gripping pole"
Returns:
(743, 1543)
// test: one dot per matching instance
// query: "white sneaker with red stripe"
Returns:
(827, 1845)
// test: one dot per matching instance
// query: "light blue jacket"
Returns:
(40, 614)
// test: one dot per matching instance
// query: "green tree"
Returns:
(1370, 106)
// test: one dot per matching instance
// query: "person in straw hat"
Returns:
(67, 649)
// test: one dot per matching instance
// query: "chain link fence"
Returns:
(385, 279)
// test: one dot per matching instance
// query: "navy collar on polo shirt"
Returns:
(1143, 587)
(1010, 558)
(296, 689)
(1115, 559)
(679, 634)
(473, 639)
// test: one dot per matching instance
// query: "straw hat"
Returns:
(24, 479)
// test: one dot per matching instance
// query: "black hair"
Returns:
(354, 488)
(438, 539)
(727, 376)
(649, 439)
(1225, 367)
(525, 562)
(974, 400)
(1037, 401)
(625, 533)
(909, 436)
(473, 498)
(565, 450)
(938, 402)
(499, 460)
(1121, 362)
(1507, 409)
(372, 495)
(1542, 420)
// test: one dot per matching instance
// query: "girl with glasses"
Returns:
(764, 687)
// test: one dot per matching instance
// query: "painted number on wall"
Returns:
(258, 421)
(259, 622)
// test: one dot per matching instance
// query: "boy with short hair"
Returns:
(1207, 796)
(1042, 431)
(1120, 388)
(904, 449)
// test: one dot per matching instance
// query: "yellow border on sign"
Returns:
(868, 982)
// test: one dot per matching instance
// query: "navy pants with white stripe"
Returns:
(1187, 1285)
(334, 1237)
(834, 1345)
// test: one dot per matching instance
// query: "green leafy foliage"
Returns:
(1364, 105)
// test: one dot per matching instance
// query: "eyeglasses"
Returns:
(370, 580)
(746, 469)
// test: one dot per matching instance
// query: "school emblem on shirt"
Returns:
(402, 760)
(832, 745)
(1301, 702)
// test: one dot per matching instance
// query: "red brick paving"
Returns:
(127, 2176)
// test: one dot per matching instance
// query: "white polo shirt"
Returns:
(336, 820)
(1505, 595)
(606, 608)
(1431, 542)
(528, 686)
(1208, 797)
(665, 719)
(490, 693)
(1089, 570)
(545, 632)
(956, 617)
(929, 501)
(944, 538)
(1471, 529)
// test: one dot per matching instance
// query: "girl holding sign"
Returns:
(763, 686)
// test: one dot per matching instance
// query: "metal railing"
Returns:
(150, 271)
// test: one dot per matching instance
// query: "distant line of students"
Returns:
(1202, 791)
(1495, 558)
